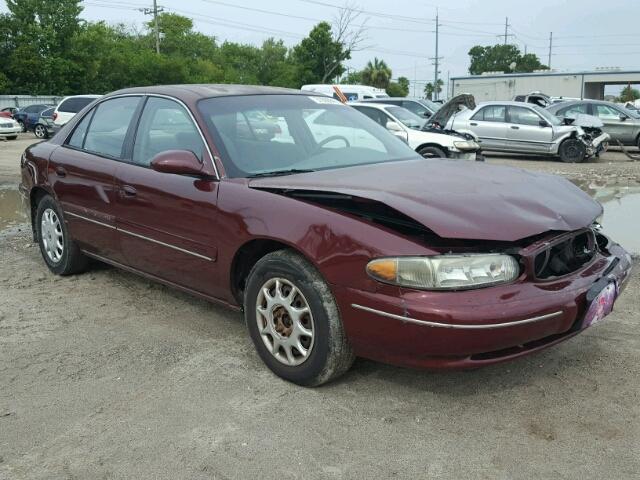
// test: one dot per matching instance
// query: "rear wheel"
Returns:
(572, 150)
(432, 152)
(294, 321)
(40, 131)
(59, 251)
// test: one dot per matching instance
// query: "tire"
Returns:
(22, 126)
(40, 131)
(572, 151)
(432, 152)
(324, 352)
(59, 251)
(13, 137)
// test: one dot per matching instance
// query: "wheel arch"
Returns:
(35, 195)
(248, 255)
(434, 145)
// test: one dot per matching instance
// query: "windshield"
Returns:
(434, 107)
(408, 118)
(552, 119)
(276, 134)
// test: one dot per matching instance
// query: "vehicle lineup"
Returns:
(335, 238)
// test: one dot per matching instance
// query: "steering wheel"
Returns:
(331, 139)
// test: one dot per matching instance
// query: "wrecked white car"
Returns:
(517, 127)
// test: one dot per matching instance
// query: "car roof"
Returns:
(512, 103)
(195, 92)
(378, 105)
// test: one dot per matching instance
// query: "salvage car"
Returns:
(27, 115)
(8, 112)
(42, 126)
(408, 126)
(420, 106)
(9, 128)
(526, 128)
(330, 252)
(621, 124)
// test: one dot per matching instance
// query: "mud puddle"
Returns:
(621, 218)
(11, 209)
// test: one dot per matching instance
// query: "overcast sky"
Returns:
(586, 33)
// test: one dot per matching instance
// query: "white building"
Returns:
(504, 86)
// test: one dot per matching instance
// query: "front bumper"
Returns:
(467, 155)
(467, 329)
(598, 145)
(10, 132)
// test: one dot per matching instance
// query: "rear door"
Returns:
(81, 173)
(489, 125)
(167, 223)
(524, 132)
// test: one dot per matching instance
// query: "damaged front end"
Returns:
(594, 138)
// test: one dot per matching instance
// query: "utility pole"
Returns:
(436, 61)
(506, 29)
(154, 11)
(550, 47)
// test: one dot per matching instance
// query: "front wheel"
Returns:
(293, 320)
(432, 152)
(22, 126)
(572, 150)
(59, 251)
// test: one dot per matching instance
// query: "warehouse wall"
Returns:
(496, 88)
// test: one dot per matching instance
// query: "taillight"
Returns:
(54, 116)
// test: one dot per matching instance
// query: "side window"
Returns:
(109, 126)
(606, 112)
(165, 125)
(416, 108)
(74, 104)
(77, 139)
(374, 114)
(491, 113)
(523, 116)
(573, 110)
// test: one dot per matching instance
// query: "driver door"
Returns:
(613, 124)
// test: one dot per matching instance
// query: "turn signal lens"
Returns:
(445, 272)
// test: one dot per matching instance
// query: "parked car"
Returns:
(526, 128)
(8, 112)
(330, 252)
(25, 116)
(621, 124)
(69, 106)
(408, 126)
(537, 98)
(43, 126)
(420, 106)
(352, 93)
(9, 128)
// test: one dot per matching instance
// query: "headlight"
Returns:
(466, 145)
(445, 272)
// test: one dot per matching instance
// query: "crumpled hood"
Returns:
(466, 200)
(452, 107)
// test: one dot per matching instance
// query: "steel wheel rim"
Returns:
(39, 131)
(51, 235)
(572, 151)
(285, 321)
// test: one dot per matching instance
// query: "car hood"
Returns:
(453, 106)
(458, 200)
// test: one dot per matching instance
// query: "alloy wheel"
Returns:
(51, 235)
(40, 131)
(285, 321)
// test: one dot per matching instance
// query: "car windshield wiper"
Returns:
(276, 173)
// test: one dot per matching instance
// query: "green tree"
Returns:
(502, 58)
(275, 68)
(431, 88)
(319, 56)
(377, 74)
(399, 88)
(629, 94)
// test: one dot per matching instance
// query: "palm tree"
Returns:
(430, 89)
(377, 74)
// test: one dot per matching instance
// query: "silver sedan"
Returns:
(523, 128)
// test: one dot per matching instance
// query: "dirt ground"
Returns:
(109, 376)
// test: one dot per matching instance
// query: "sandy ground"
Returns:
(109, 376)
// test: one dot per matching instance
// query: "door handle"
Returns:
(514, 127)
(61, 172)
(473, 124)
(128, 191)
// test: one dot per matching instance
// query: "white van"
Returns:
(69, 106)
(353, 93)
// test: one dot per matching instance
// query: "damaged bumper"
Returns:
(598, 145)
(466, 329)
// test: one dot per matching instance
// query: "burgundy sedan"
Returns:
(332, 235)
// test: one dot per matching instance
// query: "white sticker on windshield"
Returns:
(325, 100)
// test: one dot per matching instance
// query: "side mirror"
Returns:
(426, 114)
(394, 127)
(543, 123)
(623, 118)
(178, 162)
